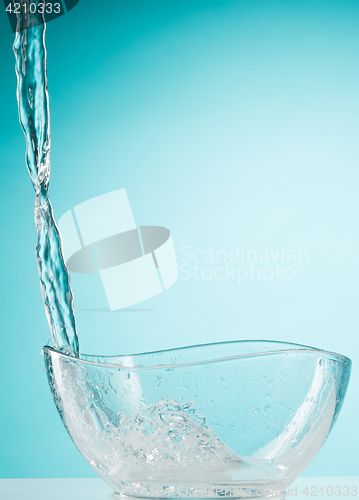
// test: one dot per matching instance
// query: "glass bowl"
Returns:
(232, 419)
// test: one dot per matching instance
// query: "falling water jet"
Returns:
(34, 113)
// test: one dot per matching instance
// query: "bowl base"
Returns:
(240, 489)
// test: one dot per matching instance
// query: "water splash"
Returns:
(34, 113)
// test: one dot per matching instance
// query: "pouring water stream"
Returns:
(34, 113)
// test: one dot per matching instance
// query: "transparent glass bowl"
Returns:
(231, 419)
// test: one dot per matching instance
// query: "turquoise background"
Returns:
(229, 122)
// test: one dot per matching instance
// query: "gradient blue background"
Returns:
(229, 122)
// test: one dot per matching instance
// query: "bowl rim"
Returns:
(295, 348)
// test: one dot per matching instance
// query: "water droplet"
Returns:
(127, 375)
